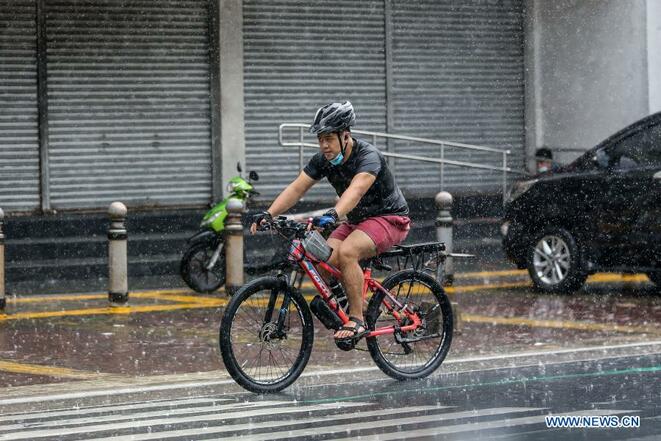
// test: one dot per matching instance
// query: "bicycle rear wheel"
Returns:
(418, 353)
(266, 340)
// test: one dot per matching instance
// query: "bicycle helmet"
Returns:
(333, 117)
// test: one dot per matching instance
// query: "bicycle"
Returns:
(266, 332)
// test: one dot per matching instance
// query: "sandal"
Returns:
(348, 343)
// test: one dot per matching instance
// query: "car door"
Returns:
(651, 222)
(646, 233)
(630, 199)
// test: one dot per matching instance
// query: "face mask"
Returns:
(337, 160)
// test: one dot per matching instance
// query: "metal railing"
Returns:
(504, 168)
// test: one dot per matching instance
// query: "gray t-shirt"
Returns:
(383, 198)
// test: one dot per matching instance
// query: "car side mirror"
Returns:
(253, 176)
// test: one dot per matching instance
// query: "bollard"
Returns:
(233, 246)
(118, 288)
(3, 298)
(445, 275)
(444, 233)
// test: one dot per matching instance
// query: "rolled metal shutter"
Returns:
(19, 132)
(457, 76)
(129, 109)
(300, 55)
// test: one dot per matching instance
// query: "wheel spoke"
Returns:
(540, 254)
(548, 250)
(560, 276)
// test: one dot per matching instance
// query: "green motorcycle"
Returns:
(203, 262)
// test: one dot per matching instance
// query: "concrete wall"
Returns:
(231, 131)
(587, 70)
(654, 54)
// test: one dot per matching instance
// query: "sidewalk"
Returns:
(73, 337)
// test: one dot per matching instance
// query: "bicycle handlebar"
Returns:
(285, 226)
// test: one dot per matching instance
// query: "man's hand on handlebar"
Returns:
(260, 220)
(326, 220)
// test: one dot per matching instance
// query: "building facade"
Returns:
(154, 103)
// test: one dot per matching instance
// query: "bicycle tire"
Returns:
(374, 344)
(230, 349)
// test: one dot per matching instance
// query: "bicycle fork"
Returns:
(289, 283)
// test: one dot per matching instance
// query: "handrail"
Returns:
(301, 144)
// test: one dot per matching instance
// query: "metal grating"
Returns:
(129, 102)
(19, 132)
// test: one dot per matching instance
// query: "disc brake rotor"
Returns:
(267, 335)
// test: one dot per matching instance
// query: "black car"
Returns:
(602, 212)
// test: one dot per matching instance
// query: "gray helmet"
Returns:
(333, 117)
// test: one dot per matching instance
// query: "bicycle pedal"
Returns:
(345, 344)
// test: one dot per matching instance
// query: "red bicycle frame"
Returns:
(298, 254)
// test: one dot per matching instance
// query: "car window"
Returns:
(641, 149)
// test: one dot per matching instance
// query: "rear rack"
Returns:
(427, 256)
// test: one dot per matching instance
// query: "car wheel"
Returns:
(554, 262)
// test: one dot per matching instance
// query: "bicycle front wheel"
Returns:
(418, 353)
(266, 335)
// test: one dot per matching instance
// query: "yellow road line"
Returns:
(58, 298)
(176, 298)
(111, 310)
(561, 324)
(161, 294)
(503, 273)
(610, 277)
(50, 371)
(471, 288)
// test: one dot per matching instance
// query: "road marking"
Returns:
(112, 408)
(500, 273)
(49, 371)
(347, 424)
(471, 288)
(170, 295)
(102, 415)
(561, 324)
(112, 310)
(132, 424)
(610, 277)
(416, 433)
(390, 423)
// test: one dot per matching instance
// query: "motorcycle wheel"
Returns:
(193, 268)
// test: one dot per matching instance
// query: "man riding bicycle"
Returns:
(369, 197)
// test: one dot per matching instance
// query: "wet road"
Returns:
(68, 338)
(507, 397)
(71, 367)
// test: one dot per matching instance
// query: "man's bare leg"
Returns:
(355, 247)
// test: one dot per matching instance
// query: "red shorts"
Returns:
(385, 231)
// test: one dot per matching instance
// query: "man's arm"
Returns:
(291, 194)
(357, 189)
